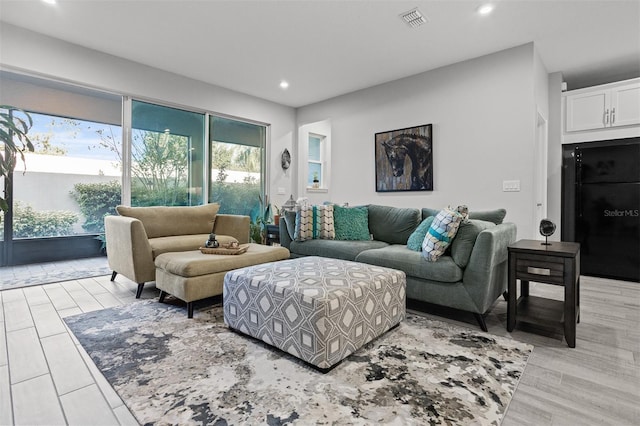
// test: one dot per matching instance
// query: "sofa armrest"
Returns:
(485, 277)
(128, 250)
(236, 226)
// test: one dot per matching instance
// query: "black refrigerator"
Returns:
(601, 206)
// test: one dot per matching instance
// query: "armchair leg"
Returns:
(189, 309)
(113, 275)
(480, 319)
(163, 294)
(139, 291)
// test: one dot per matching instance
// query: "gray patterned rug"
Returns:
(52, 272)
(172, 370)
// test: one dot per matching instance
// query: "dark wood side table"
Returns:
(557, 263)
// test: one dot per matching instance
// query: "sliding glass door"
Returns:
(167, 153)
(237, 152)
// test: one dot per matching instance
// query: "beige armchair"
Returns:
(139, 234)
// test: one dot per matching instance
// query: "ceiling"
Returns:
(328, 48)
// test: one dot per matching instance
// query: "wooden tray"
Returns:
(221, 250)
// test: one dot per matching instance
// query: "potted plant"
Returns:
(316, 181)
(13, 127)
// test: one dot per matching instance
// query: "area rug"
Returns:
(52, 272)
(172, 370)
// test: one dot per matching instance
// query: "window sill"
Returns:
(317, 190)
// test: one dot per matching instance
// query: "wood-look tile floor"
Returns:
(47, 378)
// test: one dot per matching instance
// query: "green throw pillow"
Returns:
(351, 223)
(415, 240)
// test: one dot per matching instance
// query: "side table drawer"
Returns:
(541, 270)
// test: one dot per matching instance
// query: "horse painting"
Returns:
(418, 148)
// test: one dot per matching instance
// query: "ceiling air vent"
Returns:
(414, 18)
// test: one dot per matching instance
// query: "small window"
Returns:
(316, 166)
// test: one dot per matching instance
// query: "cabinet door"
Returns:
(586, 111)
(625, 105)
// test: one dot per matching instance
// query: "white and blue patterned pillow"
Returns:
(442, 230)
(313, 222)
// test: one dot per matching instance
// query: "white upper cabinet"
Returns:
(600, 107)
(625, 105)
(586, 111)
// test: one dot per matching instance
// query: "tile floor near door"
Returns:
(47, 378)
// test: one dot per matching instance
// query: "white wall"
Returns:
(482, 111)
(33, 53)
(554, 165)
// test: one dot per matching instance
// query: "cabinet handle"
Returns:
(538, 271)
(613, 115)
(606, 116)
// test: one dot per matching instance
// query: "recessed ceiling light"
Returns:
(49, 1)
(485, 9)
(284, 84)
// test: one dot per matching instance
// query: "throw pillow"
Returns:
(440, 233)
(351, 223)
(415, 240)
(290, 221)
(314, 222)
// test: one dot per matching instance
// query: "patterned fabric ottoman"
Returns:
(318, 309)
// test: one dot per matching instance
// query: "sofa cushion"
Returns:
(400, 257)
(162, 221)
(161, 245)
(465, 239)
(314, 222)
(426, 212)
(345, 250)
(441, 232)
(351, 223)
(417, 237)
(393, 225)
(495, 216)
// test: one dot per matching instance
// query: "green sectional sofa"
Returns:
(470, 276)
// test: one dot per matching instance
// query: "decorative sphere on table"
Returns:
(547, 228)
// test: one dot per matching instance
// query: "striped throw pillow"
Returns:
(313, 222)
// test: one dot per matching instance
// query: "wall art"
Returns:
(404, 159)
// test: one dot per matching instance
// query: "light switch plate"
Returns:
(510, 185)
(280, 191)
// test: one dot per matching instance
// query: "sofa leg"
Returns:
(113, 275)
(505, 296)
(139, 291)
(189, 309)
(480, 319)
(163, 294)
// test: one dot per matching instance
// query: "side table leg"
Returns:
(511, 296)
(570, 305)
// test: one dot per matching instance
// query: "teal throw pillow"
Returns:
(415, 240)
(290, 220)
(351, 223)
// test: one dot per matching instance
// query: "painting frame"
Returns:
(396, 151)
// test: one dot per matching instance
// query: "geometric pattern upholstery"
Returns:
(442, 230)
(318, 309)
(314, 222)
